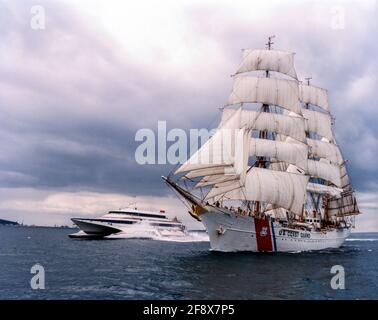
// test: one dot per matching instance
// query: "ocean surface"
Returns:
(148, 269)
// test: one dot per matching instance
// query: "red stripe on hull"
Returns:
(263, 235)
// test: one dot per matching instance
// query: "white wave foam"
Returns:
(154, 234)
(362, 239)
(190, 237)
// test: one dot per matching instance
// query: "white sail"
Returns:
(278, 92)
(323, 189)
(224, 188)
(322, 149)
(318, 122)
(273, 122)
(324, 170)
(242, 154)
(209, 171)
(282, 189)
(314, 95)
(291, 168)
(271, 60)
(219, 150)
(294, 153)
(227, 113)
(211, 180)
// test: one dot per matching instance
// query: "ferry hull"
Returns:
(90, 229)
(95, 229)
(229, 232)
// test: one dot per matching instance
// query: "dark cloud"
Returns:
(72, 98)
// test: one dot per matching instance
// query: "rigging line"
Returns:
(181, 200)
(244, 194)
(243, 59)
(186, 179)
(203, 196)
(185, 184)
(222, 197)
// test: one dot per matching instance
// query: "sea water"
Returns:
(150, 269)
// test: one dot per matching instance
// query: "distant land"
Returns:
(4, 222)
(8, 222)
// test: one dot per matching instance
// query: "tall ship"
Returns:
(130, 223)
(271, 177)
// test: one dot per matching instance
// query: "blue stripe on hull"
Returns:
(273, 236)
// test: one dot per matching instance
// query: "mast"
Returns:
(269, 47)
(307, 106)
(312, 196)
(261, 163)
(324, 196)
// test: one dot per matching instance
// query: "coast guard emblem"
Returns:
(264, 235)
(264, 231)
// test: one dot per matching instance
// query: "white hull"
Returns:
(90, 229)
(229, 232)
(95, 229)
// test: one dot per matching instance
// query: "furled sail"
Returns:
(314, 95)
(318, 122)
(271, 60)
(209, 171)
(283, 189)
(273, 122)
(324, 189)
(272, 91)
(278, 166)
(326, 150)
(294, 153)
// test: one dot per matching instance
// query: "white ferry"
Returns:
(130, 223)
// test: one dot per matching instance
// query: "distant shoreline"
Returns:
(34, 226)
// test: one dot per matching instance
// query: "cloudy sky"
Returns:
(73, 94)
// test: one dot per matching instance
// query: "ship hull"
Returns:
(96, 229)
(90, 229)
(229, 232)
